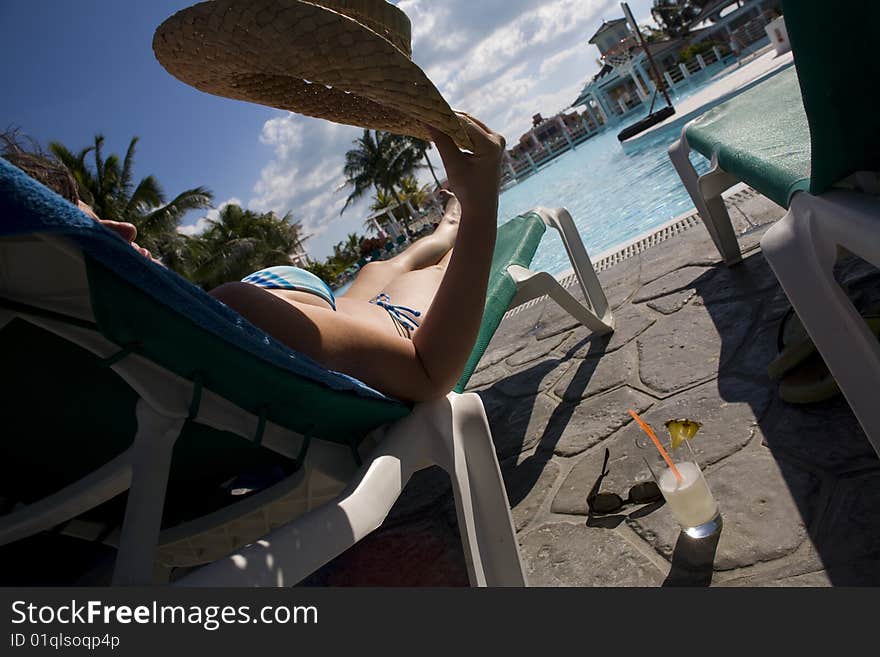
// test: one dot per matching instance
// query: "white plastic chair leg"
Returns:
(290, 553)
(151, 462)
(711, 208)
(531, 285)
(483, 510)
(96, 488)
(596, 315)
(801, 249)
(561, 220)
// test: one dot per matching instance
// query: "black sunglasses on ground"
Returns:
(604, 503)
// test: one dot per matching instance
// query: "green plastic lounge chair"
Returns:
(774, 159)
(809, 139)
(162, 399)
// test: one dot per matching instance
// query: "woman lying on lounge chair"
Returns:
(406, 326)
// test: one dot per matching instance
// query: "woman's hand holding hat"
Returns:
(474, 177)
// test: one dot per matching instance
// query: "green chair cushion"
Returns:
(834, 51)
(515, 244)
(761, 136)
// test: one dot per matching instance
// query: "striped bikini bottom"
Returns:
(405, 319)
(294, 278)
(291, 278)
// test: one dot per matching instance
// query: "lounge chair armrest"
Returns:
(561, 220)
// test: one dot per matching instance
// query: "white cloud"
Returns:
(304, 177)
(501, 60)
(205, 222)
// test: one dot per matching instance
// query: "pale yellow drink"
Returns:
(690, 499)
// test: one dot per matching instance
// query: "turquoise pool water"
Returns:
(613, 195)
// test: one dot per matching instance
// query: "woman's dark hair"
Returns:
(39, 165)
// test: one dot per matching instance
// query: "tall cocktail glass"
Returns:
(689, 498)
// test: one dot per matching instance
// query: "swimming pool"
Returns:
(612, 195)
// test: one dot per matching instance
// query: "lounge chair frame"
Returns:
(705, 192)
(596, 314)
(802, 249)
(452, 433)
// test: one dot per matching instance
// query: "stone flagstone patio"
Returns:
(799, 486)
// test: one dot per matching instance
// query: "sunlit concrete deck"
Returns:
(799, 487)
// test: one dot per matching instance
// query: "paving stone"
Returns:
(423, 552)
(598, 374)
(729, 409)
(551, 327)
(853, 271)
(849, 541)
(686, 278)
(495, 356)
(554, 320)
(575, 428)
(802, 563)
(825, 434)
(538, 377)
(564, 554)
(728, 426)
(517, 424)
(630, 322)
(755, 356)
(535, 349)
(528, 480)
(693, 248)
(513, 329)
(487, 377)
(692, 344)
(621, 281)
(620, 293)
(422, 492)
(628, 270)
(760, 210)
(751, 238)
(865, 292)
(748, 279)
(766, 507)
(775, 308)
(807, 580)
(672, 303)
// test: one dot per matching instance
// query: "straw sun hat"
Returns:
(348, 61)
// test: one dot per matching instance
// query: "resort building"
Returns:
(720, 32)
(547, 139)
(299, 257)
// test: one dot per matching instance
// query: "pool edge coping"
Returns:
(639, 244)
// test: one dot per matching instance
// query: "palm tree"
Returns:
(416, 194)
(422, 147)
(109, 189)
(353, 245)
(381, 201)
(240, 242)
(379, 161)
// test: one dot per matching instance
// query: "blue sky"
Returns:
(75, 69)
